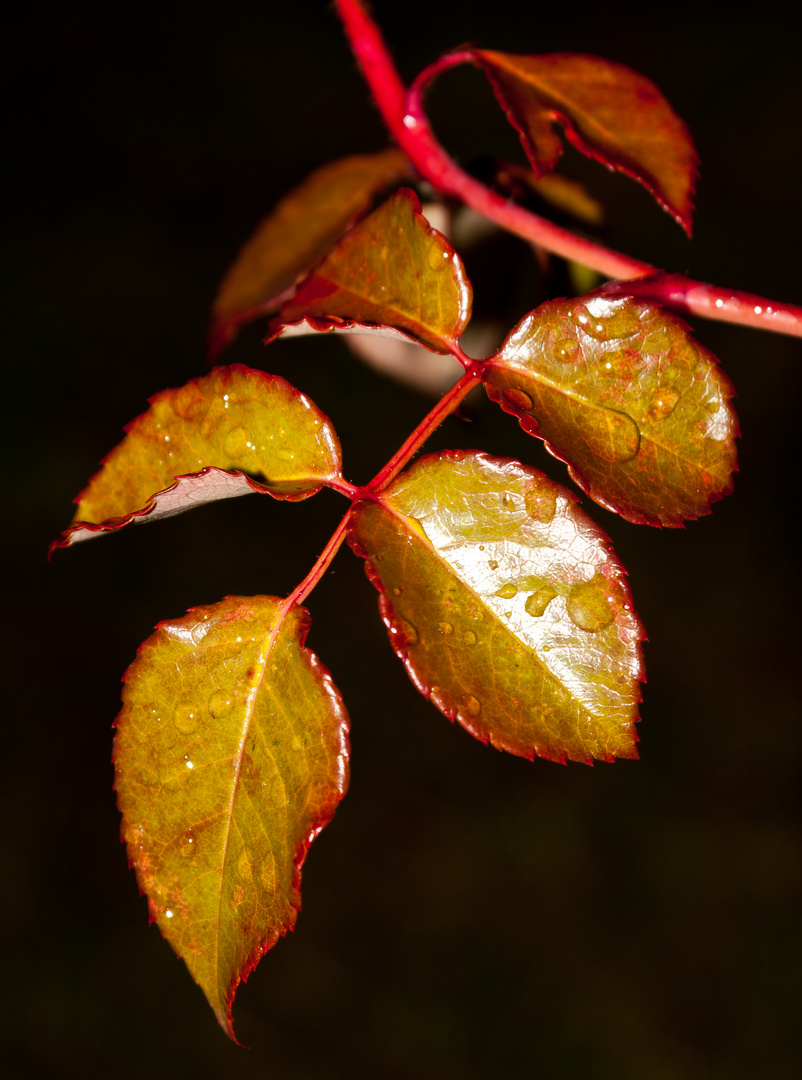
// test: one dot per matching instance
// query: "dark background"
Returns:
(467, 914)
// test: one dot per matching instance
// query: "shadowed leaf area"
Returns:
(231, 754)
(507, 605)
(620, 390)
(391, 271)
(301, 229)
(210, 433)
(609, 112)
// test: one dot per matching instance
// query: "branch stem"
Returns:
(405, 117)
(447, 404)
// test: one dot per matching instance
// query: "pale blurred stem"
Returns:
(448, 403)
(403, 113)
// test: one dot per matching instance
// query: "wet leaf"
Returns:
(507, 605)
(226, 434)
(391, 272)
(302, 228)
(231, 755)
(609, 112)
(623, 393)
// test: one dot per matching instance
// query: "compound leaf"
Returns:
(197, 443)
(609, 112)
(231, 754)
(507, 606)
(300, 230)
(620, 391)
(391, 272)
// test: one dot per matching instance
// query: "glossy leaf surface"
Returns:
(231, 754)
(507, 605)
(392, 270)
(620, 390)
(609, 112)
(215, 434)
(302, 228)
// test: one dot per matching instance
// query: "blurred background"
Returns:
(467, 914)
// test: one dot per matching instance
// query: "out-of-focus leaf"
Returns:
(231, 755)
(197, 443)
(609, 112)
(300, 230)
(620, 391)
(507, 605)
(559, 191)
(391, 272)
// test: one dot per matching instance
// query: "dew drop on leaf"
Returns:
(236, 443)
(185, 718)
(189, 844)
(537, 603)
(437, 258)
(445, 628)
(472, 704)
(469, 638)
(541, 503)
(588, 605)
(189, 403)
(506, 592)
(567, 350)
(663, 405)
(220, 703)
(517, 399)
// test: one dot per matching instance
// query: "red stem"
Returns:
(404, 115)
(447, 404)
(322, 563)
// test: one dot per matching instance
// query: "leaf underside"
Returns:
(302, 228)
(391, 271)
(228, 433)
(609, 112)
(231, 754)
(507, 606)
(623, 393)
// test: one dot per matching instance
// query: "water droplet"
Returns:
(236, 444)
(588, 604)
(517, 400)
(469, 637)
(445, 628)
(663, 405)
(493, 564)
(437, 258)
(405, 631)
(189, 403)
(506, 592)
(541, 503)
(220, 703)
(188, 845)
(537, 603)
(612, 435)
(396, 592)
(168, 913)
(186, 718)
(472, 705)
(567, 350)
